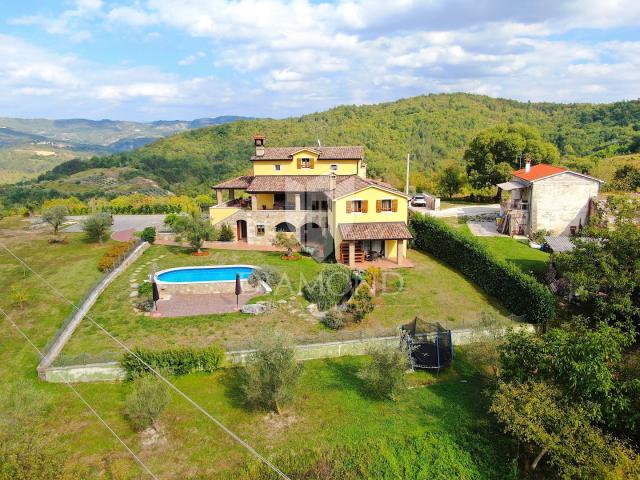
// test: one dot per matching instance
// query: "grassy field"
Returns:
(445, 414)
(430, 289)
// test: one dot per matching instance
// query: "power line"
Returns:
(196, 405)
(91, 409)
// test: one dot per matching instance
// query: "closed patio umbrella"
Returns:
(156, 294)
(238, 290)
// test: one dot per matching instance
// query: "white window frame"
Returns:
(353, 210)
(306, 160)
(264, 229)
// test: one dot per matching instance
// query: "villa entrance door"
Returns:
(241, 230)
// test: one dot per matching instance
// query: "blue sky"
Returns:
(168, 59)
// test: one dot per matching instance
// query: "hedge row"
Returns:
(176, 361)
(519, 292)
(111, 257)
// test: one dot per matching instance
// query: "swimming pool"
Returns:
(206, 274)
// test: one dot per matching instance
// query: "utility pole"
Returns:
(406, 188)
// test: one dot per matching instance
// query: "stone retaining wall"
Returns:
(112, 371)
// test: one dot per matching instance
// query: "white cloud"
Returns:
(280, 57)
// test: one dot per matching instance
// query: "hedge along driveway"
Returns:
(519, 292)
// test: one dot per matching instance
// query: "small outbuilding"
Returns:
(546, 197)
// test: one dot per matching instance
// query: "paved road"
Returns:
(122, 222)
(463, 211)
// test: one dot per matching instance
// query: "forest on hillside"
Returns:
(433, 128)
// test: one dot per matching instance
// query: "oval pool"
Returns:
(219, 273)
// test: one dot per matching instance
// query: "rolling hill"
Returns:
(433, 128)
(29, 147)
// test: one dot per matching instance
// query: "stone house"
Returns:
(546, 197)
(322, 196)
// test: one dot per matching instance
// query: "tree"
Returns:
(55, 216)
(97, 226)
(271, 372)
(146, 401)
(285, 241)
(148, 234)
(604, 273)
(451, 180)
(496, 151)
(538, 415)
(195, 228)
(385, 372)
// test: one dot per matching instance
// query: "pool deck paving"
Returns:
(186, 305)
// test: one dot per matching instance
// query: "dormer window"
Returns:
(305, 163)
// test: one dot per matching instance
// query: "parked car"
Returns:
(419, 200)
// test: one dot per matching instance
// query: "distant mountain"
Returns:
(31, 146)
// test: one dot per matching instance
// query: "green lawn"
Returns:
(331, 410)
(430, 289)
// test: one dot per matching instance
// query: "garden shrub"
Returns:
(267, 274)
(226, 234)
(148, 234)
(333, 320)
(112, 257)
(145, 288)
(361, 303)
(373, 276)
(145, 304)
(175, 361)
(329, 286)
(519, 292)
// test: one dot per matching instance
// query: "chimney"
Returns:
(527, 166)
(258, 141)
(332, 181)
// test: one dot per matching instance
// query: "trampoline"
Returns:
(428, 345)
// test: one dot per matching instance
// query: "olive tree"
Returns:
(271, 372)
(97, 227)
(385, 372)
(55, 216)
(286, 241)
(146, 401)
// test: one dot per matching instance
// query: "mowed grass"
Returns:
(430, 289)
(331, 408)
(529, 260)
(114, 310)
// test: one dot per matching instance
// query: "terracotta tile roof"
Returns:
(238, 182)
(375, 231)
(326, 153)
(353, 183)
(537, 172)
(293, 183)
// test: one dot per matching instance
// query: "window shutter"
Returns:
(299, 162)
(365, 206)
(378, 206)
(348, 203)
(312, 162)
(394, 205)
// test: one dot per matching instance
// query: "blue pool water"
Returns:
(208, 274)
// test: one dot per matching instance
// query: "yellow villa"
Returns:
(320, 194)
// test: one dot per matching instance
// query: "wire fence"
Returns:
(91, 291)
(324, 336)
